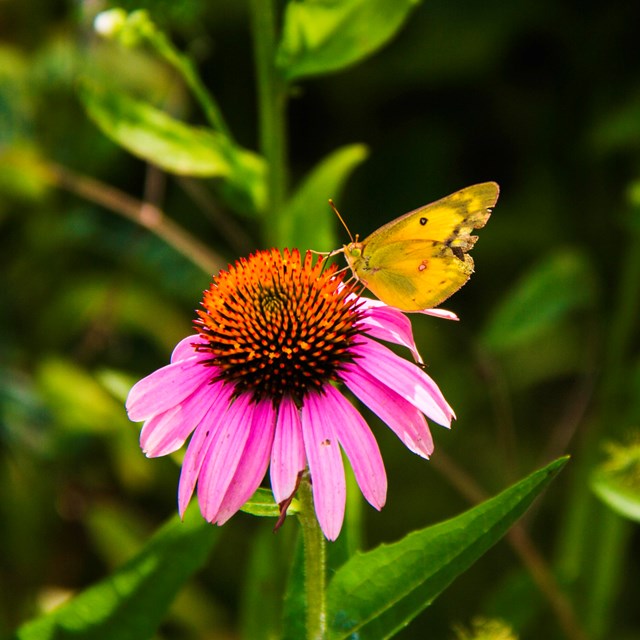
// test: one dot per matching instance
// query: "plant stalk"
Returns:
(314, 563)
(272, 101)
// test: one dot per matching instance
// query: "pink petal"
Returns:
(166, 387)
(287, 454)
(390, 324)
(184, 349)
(223, 456)
(167, 432)
(253, 463)
(401, 416)
(325, 465)
(359, 444)
(404, 378)
(440, 313)
(199, 445)
(371, 303)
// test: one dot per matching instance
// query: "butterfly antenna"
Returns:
(344, 224)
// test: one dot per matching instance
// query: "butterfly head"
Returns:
(353, 249)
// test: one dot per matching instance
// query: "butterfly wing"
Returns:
(415, 274)
(449, 220)
(420, 259)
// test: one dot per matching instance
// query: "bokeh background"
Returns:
(541, 96)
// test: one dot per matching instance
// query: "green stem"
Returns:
(272, 99)
(314, 563)
(599, 581)
(613, 535)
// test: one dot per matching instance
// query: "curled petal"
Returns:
(390, 324)
(401, 416)
(371, 303)
(404, 378)
(440, 313)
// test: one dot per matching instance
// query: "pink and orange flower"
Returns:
(259, 386)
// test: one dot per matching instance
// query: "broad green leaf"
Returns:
(177, 147)
(377, 593)
(320, 36)
(155, 136)
(308, 221)
(560, 284)
(131, 603)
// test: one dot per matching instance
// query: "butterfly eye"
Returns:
(423, 221)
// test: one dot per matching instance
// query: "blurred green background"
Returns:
(542, 97)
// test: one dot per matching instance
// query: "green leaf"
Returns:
(77, 400)
(320, 36)
(131, 604)
(377, 593)
(617, 481)
(621, 499)
(560, 284)
(263, 505)
(155, 136)
(245, 188)
(308, 221)
(177, 147)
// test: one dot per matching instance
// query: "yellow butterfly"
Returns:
(419, 259)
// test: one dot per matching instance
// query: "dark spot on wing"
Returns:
(458, 252)
(454, 234)
(423, 221)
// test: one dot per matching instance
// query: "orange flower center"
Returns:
(277, 326)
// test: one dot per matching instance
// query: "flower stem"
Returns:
(314, 563)
(272, 97)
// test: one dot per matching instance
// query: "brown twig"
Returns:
(232, 232)
(143, 213)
